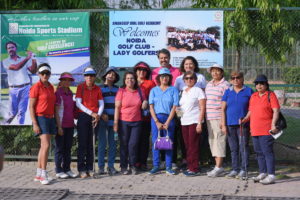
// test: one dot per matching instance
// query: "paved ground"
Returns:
(20, 175)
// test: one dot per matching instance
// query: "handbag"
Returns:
(281, 121)
(145, 112)
(163, 143)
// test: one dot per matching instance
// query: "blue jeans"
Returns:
(162, 118)
(239, 145)
(263, 147)
(106, 134)
(63, 145)
(129, 134)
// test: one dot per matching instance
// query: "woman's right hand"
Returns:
(36, 129)
(60, 131)
(159, 125)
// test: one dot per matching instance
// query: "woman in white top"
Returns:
(189, 63)
(192, 105)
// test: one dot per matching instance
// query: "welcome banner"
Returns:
(137, 36)
(59, 39)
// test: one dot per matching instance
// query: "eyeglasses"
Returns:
(164, 76)
(47, 73)
(142, 69)
(189, 78)
(235, 78)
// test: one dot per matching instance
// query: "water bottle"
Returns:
(116, 136)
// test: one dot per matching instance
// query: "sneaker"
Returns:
(270, 179)
(170, 171)
(174, 166)
(143, 168)
(191, 173)
(134, 170)
(83, 175)
(90, 173)
(37, 178)
(215, 172)
(162, 165)
(101, 171)
(232, 174)
(112, 171)
(45, 180)
(62, 175)
(154, 170)
(126, 171)
(260, 177)
(241, 175)
(71, 174)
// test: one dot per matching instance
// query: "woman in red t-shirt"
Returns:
(41, 107)
(143, 72)
(128, 121)
(263, 114)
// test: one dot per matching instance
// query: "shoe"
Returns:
(143, 168)
(162, 165)
(154, 170)
(260, 177)
(83, 175)
(134, 170)
(170, 171)
(215, 172)
(61, 175)
(174, 166)
(191, 173)
(126, 171)
(232, 174)
(45, 180)
(37, 178)
(90, 173)
(241, 175)
(71, 174)
(112, 171)
(101, 171)
(270, 179)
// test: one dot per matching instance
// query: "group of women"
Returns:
(140, 106)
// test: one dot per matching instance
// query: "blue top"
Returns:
(109, 95)
(237, 104)
(164, 100)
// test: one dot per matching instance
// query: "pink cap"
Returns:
(66, 76)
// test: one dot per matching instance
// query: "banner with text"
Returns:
(137, 35)
(60, 39)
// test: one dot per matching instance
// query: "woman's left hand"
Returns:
(145, 105)
(166, 126)
(199, 128)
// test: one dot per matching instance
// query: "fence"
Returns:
(258, 51)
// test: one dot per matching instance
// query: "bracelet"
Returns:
(156, 120)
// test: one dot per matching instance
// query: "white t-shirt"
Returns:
(179, 82)
(189, 104)
(17, 77)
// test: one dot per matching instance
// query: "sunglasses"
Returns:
(189, 78)
(235, 78)
(47, 73)
(142, 69)
(260, 83)
(91, 75)
(164, 76)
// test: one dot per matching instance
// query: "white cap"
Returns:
(215, 66)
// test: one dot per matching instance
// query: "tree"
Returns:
(260, 24)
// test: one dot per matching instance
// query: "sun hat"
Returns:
(69, 76)
(44, 68)
(164, 71)
(261, 78)
(109, 69)
(89, 71)
(142, 65)
(215, 66)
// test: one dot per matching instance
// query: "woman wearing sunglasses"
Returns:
(263, 114)
(235, 103)
(41, 107)
(192, 104)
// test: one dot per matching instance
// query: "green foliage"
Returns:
(291, 75)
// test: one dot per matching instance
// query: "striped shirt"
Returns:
(109, 95)
(214, 93)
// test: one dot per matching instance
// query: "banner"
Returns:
(137, 35)
(59, 39)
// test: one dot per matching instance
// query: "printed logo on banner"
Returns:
(218, 16)
(13, 28)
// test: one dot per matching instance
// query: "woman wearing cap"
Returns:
(263, 114)
(41, 107)
(64, 114)
(163, 101)
(235, 103)
(90, 102)
(105, 131)
(191, 102)
(217, 139)
(128, 121)
(143, 72)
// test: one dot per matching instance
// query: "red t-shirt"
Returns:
(45, 99)
(262, 113)
(146, 86)
(130, 105)
(90, 98)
